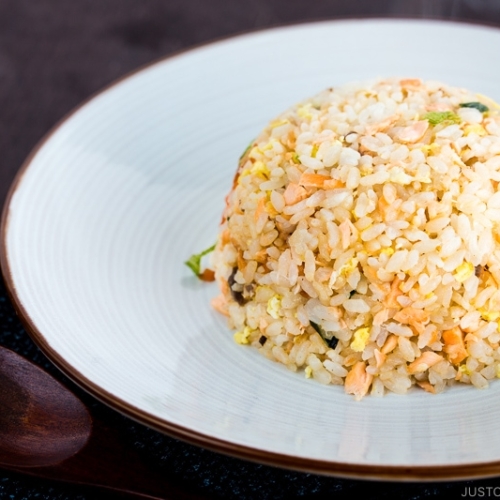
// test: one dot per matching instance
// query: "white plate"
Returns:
(104, 213)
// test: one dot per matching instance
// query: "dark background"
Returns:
(55, 54)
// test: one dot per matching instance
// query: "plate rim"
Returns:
(246, 452)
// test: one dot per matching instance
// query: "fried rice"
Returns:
(359, 244)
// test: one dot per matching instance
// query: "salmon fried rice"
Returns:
(360, 240)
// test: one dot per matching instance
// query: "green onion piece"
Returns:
(476, 105)
(437, 117)
(194, 262)
(247, 149)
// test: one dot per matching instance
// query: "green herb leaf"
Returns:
(476, 105)
(437, 117)
(332, 343)
(247, 149)
(194, 262)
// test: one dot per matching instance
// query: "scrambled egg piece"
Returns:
(432, 148)
(464, 272)
(269, 145)
(387, 251)
(274, 306)
(361, 337)
(304, 111)
(366, 169)
(399, 177)
(349, 266)
(424, 180)
(489, 315)
(475, 129)
(242, 337)
(308, 372)
(260, 168)
(463, 369)
(299, 339)
(278, 123)
(344, 270)
(255, 153)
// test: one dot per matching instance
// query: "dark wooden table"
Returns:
(56, 53)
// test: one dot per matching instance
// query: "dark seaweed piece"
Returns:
(236, 294)
(478, 270)
(262, 340)
(476, 105)
(332, 343)
(317, 327)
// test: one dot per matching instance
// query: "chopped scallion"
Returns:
(194, 262)
(247, 149)
(437, 117)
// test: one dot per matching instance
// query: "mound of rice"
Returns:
(359, 242)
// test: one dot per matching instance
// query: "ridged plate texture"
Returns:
(103, 215)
